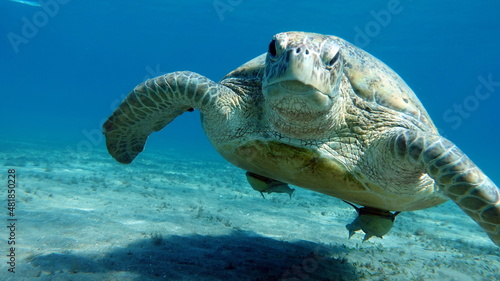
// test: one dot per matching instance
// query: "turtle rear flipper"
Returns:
(153, 104)
(456, 175)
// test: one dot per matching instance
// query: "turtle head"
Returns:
(301, 82)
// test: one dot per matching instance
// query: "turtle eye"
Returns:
(272, 48)
(333, 60)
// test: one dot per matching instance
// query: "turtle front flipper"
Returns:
(155, 103)
(456, 175)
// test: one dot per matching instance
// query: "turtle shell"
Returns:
(374, 81)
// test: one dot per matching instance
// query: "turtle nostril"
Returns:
(299, 50)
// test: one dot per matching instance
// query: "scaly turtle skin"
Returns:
(319, 113)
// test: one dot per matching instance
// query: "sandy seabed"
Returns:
(172, 216)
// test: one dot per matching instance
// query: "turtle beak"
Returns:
(299, 65)
(303, 65)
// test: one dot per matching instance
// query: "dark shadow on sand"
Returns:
(239, 256)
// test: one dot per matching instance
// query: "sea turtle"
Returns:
(319, 113)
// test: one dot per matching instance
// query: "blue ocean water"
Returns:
(65, 64)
